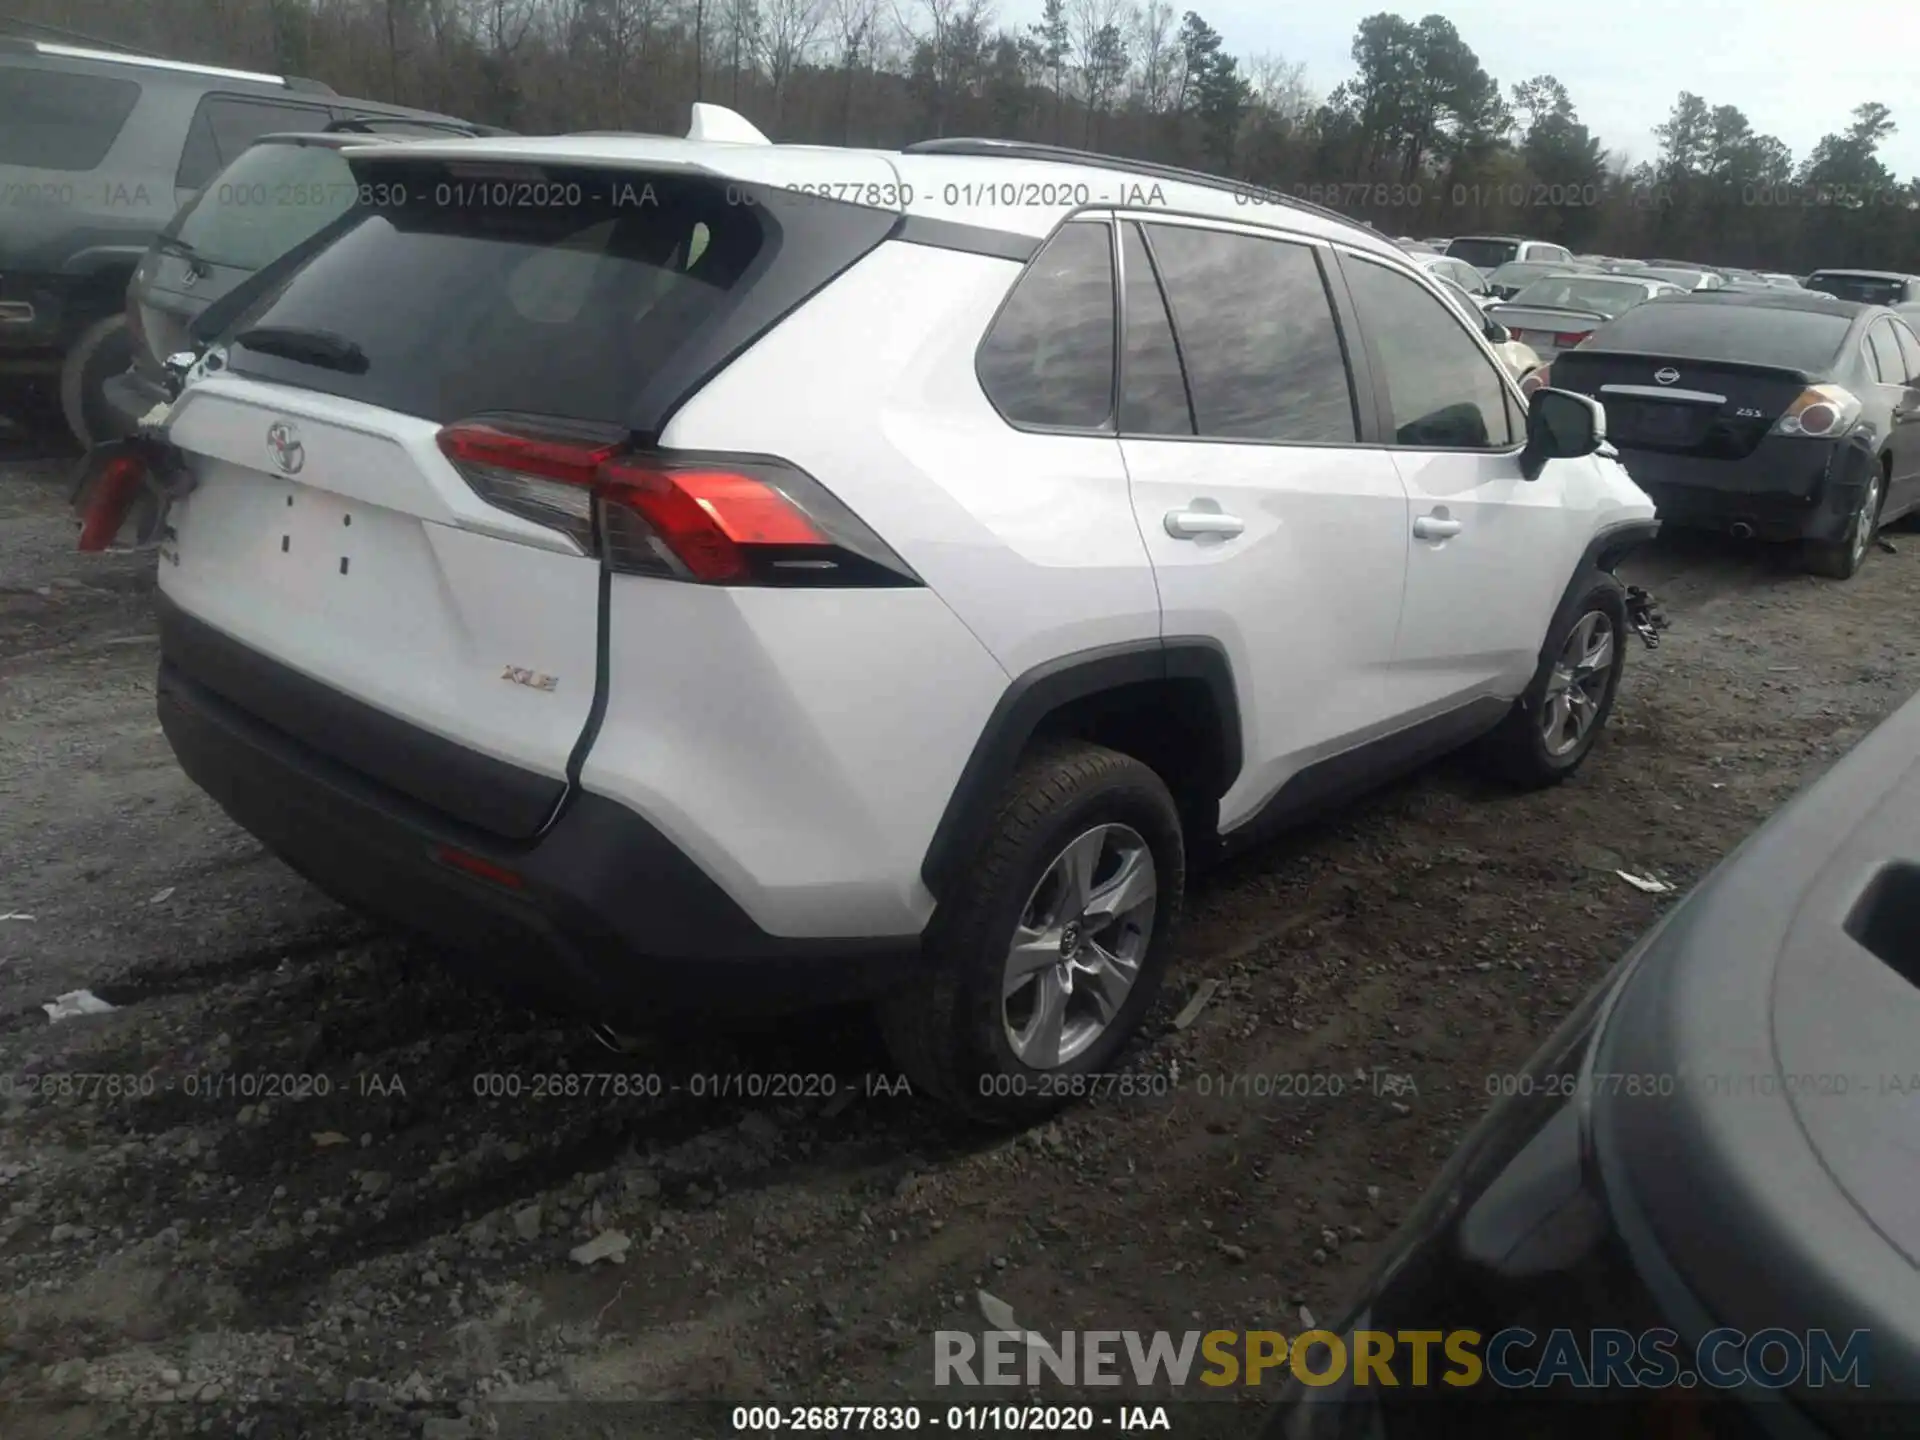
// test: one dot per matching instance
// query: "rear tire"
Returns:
(1077, 820)
(103, 350)
(1841, 559)
(1551, 729)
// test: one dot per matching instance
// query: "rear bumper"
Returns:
(607, 916)
(1787, 489)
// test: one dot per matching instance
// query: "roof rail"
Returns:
(1066, 155)
(154, 62)
(374, 124)
(305, 86)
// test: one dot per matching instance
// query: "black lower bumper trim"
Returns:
(610, 917)
(475, 789)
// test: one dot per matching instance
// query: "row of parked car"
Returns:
(1704, 370)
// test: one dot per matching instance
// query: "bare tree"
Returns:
(946, 41)
(1152, 27)
(854, 24)
(792, 26)
(744, 38)
(1279, 86)
(1099, 55)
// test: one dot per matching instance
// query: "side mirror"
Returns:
(1560, 426)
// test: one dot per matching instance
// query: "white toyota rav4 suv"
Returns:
(708, 575)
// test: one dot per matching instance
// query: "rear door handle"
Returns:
(1190, 524)
(1431, 527)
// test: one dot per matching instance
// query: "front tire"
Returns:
(1841, 559)
(1552, 728)
(103, 350)
(1047, 954)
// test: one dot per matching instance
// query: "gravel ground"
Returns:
(304, 1215)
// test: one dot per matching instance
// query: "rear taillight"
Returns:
(1536, 380)
(1567, 339)
(1819, 412)
(713, 520)
(111, 492)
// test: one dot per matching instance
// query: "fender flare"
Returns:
(1037, 694)
(1609, 546)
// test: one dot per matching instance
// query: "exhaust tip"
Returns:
(1742, 530)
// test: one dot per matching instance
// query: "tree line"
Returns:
(1420, 141)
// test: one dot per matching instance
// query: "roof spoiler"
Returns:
(716, 122)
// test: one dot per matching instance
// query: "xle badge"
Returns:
(532, 679)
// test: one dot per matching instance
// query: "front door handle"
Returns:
(1190, 524)
(1433, 527)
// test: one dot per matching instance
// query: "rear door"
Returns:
(329, 531)
(1270, 524)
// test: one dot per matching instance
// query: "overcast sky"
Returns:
(1796, 71)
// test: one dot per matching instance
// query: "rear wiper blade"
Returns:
(311, 347)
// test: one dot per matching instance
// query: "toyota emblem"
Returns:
(1667, 376)
(283, 443)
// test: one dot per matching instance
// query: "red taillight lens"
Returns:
(107, 498)
(571, 461)
(713, 520)
(1567, 339)
(702, 517)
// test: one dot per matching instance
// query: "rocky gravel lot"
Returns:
(285, 1186)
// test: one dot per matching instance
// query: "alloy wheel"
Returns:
(1863, 522)
(1078, 946)
(1578, 684)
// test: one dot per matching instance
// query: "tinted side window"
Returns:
(1048, 360)
(52, 120)
(1256, 330)
(1909, 350)
(225, 125)
(1888, 367)
(1153, 390)
(1442, 391)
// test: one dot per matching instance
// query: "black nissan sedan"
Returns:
(1779, 415)
(1695, 1213)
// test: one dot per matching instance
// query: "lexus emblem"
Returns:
(283, 443)
(1667, 376)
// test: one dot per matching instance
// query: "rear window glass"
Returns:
(1685, 279)
(56, 120)
(265, 203)
(1868, 289)
(1695, 330)
(606, 309)
(1483, 254)
(1573, 294)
